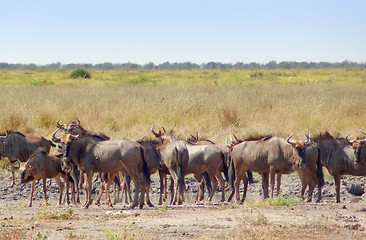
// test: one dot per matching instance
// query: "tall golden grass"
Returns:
(214, 103)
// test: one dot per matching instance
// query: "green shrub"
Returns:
(80, 73)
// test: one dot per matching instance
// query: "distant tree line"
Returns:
(186, 65)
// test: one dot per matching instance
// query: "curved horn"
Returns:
(73, 137)
(152, 130)
(54, 138)
(60, 125)
(193, 137)
(288, 140)
(231, 139)
(75, 124)
(6, 135)
(163, 129)
(350, 141)
(308, 139)
(237, 139)
(363, 140)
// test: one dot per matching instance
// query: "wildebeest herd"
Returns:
(84, 153)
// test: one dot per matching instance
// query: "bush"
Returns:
(80, 73)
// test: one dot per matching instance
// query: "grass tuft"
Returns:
(46, 214)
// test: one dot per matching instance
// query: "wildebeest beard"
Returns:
(358, 154)
(302, 153)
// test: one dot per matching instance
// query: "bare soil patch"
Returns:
(326, 220)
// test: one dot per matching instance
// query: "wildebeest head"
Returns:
(65, 142)
(163, 135)
(75, 128)
(4, 137)
(300, 147)
(72, 127)
(32, 169)
(359, 146)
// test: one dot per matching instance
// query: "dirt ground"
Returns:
(252, 220)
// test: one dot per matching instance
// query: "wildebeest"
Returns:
(207, 157)
(74, 128)
(18, 147)
(310, 172)
(93, 154)
(268, 156)
(41, 165)
(226, 150)
(359, 148)
(339, 157)
(153, 160)
(174, 158)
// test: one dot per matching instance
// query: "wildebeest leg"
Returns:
(319, 193)
(107, 183)
(239, 175)
(80, 185)
(136, 178)
(273, 179)
(222, 184)
(44, 190)
(214, 184)
(201, 191)
(148, 202)
(337, 183)
(310, 194)
(128, 187)
(278, 184)
(73, 200)
(175, 186)
(162, 177)
(171, 190)
(61, 189)
(102, 188)
(246, 182)
(32, 191)
(265, 181)
(12, 173)
(88, 188)
(199, 181)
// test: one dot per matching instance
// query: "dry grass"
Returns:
(121, 105)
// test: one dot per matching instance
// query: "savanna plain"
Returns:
(211, 103)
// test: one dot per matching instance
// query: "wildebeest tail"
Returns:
(231, 175)
(319, 170)
(117, 181)
(180, 169)
(207, 181)
(250, 176)
(224, 166)
(145, 168)
(104, 177)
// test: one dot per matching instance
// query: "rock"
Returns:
(356, 189)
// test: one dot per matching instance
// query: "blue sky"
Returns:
(44, 32)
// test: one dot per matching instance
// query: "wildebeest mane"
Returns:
(323, 136)
(11, 132)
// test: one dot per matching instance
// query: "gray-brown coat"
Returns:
(41, 165)
(18, 147)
